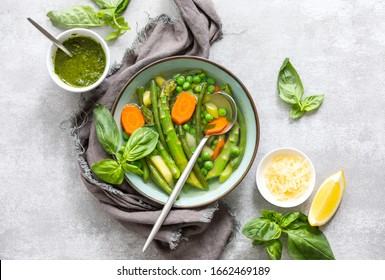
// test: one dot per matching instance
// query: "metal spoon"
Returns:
(222, 100)
(49, 36)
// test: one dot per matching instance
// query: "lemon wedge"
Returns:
(327, 199)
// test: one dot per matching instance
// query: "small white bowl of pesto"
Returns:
(88, 66)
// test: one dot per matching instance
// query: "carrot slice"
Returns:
(221, 143)
(131, 118)
(183, 108)
(217, 88)
(216, 125)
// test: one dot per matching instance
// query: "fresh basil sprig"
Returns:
(304, 242)
(141, 143)
(290, 90)
(86, 17)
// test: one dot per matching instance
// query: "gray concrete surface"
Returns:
(338, 47)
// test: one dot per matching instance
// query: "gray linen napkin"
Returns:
(199, 233)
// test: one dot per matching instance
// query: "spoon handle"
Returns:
(50, 37)
(174, 194)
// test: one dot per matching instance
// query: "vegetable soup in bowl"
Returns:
(175, 97)
(88, 66)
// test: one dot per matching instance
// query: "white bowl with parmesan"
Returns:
(285, 177)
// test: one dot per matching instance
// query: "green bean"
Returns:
(140, 92)
(157, 177)
(145, 170)
(188, 153)
(192, 72)
(199, 134)
(168, 160)
(224, 156)
(225, 174)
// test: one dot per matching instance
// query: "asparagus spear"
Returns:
(224, 156)
(172, 139)
(188, 153)
(154, 102)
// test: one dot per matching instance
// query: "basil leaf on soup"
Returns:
(261, 229)
(109, 171)
(141, 143)
(312, 103)
(76, 16)
(106, 129)
(274, 249)
(296, 112)
(290, 87)
(308, 243)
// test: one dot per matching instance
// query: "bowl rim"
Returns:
(81, 32)
(248, 95)
(261, 185)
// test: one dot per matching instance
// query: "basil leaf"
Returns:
(132, 168)
(296, 112)
(261, 229)
(141, 143)
(308, 243)
(290, 87)
(77, 16)
(109, 171)
(312, 103)
(271, 215)
(122, 7)
(103, 4)
(274, 249)
(291, 217)
(106, 129)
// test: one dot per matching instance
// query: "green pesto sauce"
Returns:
(85, 66)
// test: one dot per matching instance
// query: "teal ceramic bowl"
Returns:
(172, 65)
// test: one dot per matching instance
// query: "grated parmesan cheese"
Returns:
(287, 177)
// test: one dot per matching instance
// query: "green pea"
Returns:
(209, 117)
(210, 81)
(186, 127)
(186, 86)
(189, 79)
(213, 147)
(208, 165)
(202, 75)
(190, 91)
(200, 160)
(206, 156)
(204, 171)
(125, 135)
(198, 88)
(222, 112)
(215, 142)
(196, 79)
(175, 77)
(180, 80)
(179, 89)
(235, 151)
(211, 88)
(204, 122)
(192, 131)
